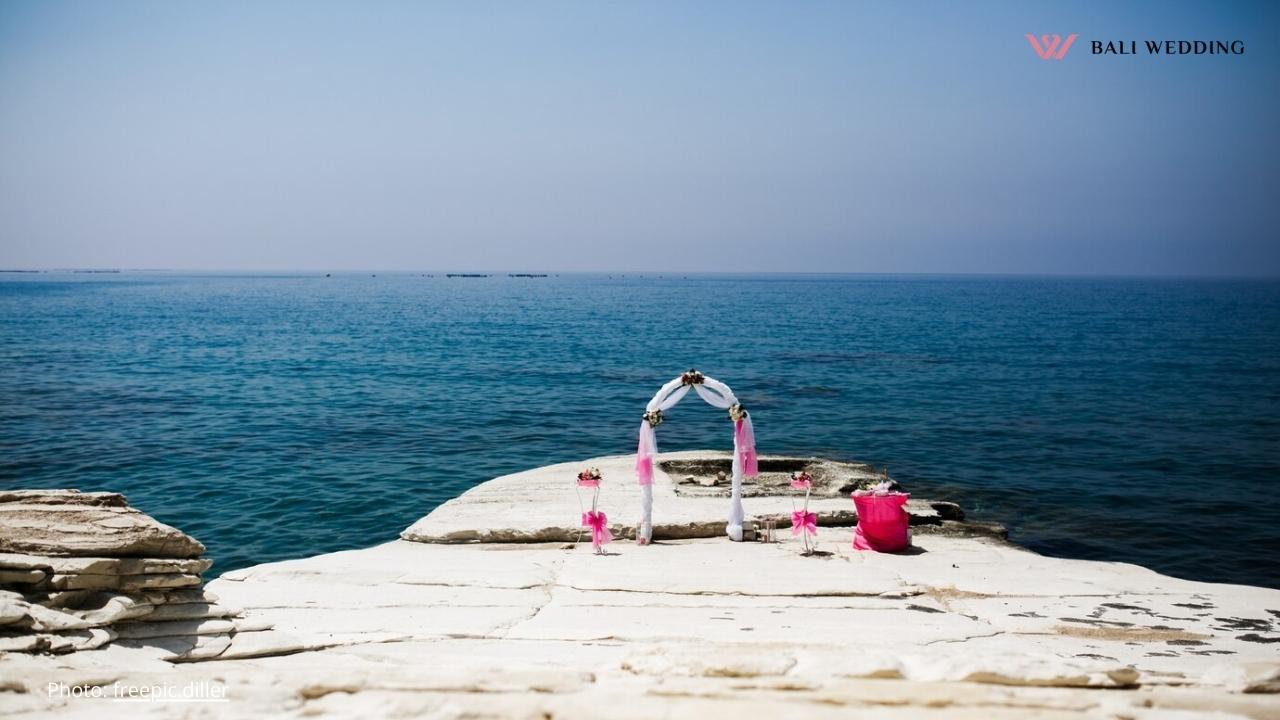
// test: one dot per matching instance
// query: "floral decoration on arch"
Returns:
(692, 377)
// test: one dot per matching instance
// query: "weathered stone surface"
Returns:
(62, 497)
(203, 647)
(1246, 677)
(192, 611)
(53, 565)
(57, 643)
(178, 648)
(962, 627)
(110, 608)
(541, 505)
(12, 608)
(664, 662)
(520, 681)
(175, 628)
(26, 642)
(21, 577)
(89, 530)
(178, 596)
(107, 609)
(962, 610)
(245, 645)
(510, 631)
(123, 583)
(87, 639)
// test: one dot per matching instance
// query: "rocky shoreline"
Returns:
(81, 570)
(487, 607)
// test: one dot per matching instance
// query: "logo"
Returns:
(1051, 47)
(1055, 47)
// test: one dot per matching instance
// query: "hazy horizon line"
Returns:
(90, 270)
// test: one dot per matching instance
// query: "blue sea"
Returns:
(284, 415)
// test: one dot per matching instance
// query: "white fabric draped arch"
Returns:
(719, 395)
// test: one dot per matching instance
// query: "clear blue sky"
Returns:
(813, 136)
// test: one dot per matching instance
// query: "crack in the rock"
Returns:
(530, 586)
(548, 588)
(967, 638)
(711, 606)
(379, 606)
(731, 593)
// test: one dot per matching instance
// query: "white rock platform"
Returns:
(961, 627)
(540, 505)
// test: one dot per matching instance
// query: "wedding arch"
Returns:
(719, 395)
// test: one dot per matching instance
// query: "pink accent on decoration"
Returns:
(806, 522)
(645, 451)
(588, 483)
(802, 484)
(599, 525)
(644, 470)
(882, 522)
(744, 438)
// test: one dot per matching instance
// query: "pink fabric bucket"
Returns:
(882, 522)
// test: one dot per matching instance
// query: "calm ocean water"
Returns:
(278, 416)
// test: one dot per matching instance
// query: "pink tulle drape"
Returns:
(745, 440)
(644, 453)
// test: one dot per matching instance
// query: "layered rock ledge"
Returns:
(79, 571)
(964, 626)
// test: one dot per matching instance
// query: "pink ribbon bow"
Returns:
(806, 522)
(599, 525)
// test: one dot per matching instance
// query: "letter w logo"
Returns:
(1045, 46)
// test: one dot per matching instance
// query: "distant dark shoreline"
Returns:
(663, 274)
(82, 272)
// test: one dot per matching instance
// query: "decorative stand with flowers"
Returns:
(594, 519)
(883, 522)
(745, 463)
(803, 522)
